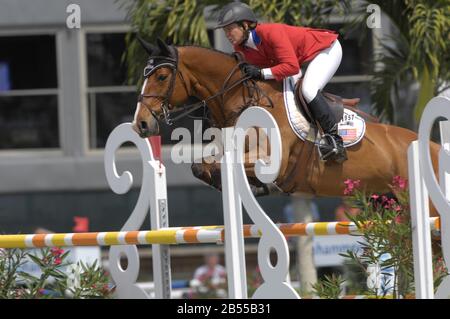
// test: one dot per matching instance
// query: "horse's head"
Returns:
(164, 86)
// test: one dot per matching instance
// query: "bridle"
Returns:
(167, 110)
(150, 68)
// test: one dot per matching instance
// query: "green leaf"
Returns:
(426, 93)
(27, 276)
(38, 261)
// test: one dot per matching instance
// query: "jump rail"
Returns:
(176, 235)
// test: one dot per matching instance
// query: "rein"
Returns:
(168, 111)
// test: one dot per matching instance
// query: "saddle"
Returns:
(335, 102)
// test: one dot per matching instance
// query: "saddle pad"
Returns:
(351, 128)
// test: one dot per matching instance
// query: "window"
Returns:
(105, 67)
(28, 92)
(29, 61)
(29, 122)
(110, 101)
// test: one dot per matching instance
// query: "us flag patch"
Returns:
(348, 134)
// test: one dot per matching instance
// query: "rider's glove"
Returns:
(252, 71)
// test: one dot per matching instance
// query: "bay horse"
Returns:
(174, 74)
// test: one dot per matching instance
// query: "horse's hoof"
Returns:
(199, 172)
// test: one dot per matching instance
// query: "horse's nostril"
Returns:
(144, 125)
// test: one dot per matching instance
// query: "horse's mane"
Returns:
(228, 55)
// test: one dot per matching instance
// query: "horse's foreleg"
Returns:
(210, 173)
(258, 188)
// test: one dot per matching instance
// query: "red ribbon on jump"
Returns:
(155, 142)
(81, 224)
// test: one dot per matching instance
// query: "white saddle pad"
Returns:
(351, 128)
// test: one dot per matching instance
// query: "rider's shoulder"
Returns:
(274, 28)
(269, 30)
(269, 26)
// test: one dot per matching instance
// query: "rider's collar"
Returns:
(253, 40)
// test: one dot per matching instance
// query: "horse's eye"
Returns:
(162, 77)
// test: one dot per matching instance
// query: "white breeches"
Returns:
(320, 70)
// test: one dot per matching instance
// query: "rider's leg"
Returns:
(321, 112)
(320, 70)
(318, 74)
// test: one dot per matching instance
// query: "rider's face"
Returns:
(234, 33)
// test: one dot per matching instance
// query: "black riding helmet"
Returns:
(235, 12)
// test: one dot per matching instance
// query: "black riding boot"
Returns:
(322, 114)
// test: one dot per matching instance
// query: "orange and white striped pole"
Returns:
(176, 235)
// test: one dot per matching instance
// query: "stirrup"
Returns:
(327, 147)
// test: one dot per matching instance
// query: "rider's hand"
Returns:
(252, 71)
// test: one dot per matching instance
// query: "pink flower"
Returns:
(57, 261)
(439, 266)
(56, 251)
(389, 203)
(350, 186)
(374, 197)
(399, 182)
(398, 219)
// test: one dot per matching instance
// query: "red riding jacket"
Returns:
(284, 48)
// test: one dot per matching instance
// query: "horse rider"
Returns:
(275, 51)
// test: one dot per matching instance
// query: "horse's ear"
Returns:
(165, 49)
(148, 47)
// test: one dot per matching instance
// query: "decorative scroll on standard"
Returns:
(275, 284)
(423, 182)
(153, 182)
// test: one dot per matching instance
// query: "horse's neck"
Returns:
(209, 71)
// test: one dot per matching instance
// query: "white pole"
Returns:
(423, 271)
(232, 218)
(304, 245)
(443, 291)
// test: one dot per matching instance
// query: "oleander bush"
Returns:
(58, 278)
(386, 256)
